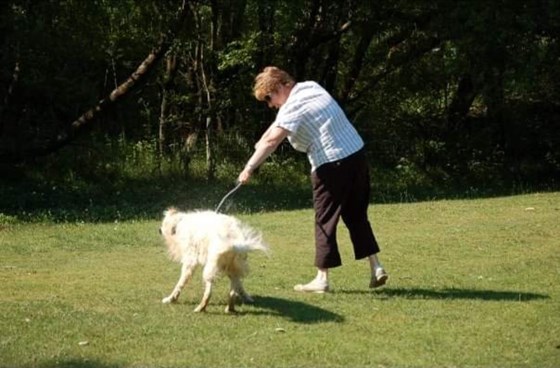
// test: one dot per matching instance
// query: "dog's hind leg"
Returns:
(230, 308)
(237, 288)
(186, 273)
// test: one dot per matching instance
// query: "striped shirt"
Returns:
(317, 125)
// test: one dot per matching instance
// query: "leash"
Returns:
(228, 195)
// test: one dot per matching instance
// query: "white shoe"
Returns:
(315, 286)
(379, 279)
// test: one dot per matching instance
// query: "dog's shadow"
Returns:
(294, 310)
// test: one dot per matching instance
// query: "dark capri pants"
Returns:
(342, 189)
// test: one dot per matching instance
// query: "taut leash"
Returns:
(228, 195)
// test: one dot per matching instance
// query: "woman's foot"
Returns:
(379, 279)
(315, 286)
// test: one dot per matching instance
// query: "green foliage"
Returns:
(238, 54)
(447, 94)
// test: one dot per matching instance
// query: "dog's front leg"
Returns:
(186, 273)
(208, 275)
(205, 298)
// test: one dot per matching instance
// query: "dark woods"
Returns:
(445, 92)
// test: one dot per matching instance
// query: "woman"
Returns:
(314, 123)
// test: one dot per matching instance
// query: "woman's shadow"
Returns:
(455, 293)
(305, 313)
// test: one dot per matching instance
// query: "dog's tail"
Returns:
(250, 240)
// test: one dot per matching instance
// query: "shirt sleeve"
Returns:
(290, 117)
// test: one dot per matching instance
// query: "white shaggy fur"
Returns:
(218, 242)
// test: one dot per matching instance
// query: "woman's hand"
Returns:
(245, 175)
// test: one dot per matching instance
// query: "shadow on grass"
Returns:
(487, 295)
(31, 199)
(293, 310)
(77, 363)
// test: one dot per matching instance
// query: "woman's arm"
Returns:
(265, 135)
(268, 143)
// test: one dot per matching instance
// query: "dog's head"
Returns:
(171, 219)
(169, 223)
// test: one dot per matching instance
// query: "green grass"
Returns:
(474, 283)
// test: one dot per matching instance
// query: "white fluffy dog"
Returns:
(218, 242)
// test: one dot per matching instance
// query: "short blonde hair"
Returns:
(269, 80)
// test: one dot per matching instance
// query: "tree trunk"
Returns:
(266, 28)
(167, 89)
(357, 61)
(461, 102)
(9, 92)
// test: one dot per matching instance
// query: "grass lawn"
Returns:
(473, 283)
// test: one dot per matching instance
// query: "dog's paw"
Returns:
(168, 300)
(200, 308)
(230, 309)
